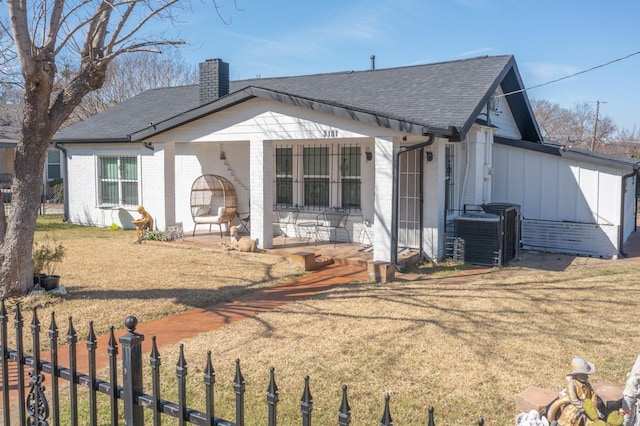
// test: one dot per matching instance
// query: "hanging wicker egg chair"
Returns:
(213, 201)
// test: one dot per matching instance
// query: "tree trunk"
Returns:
(16, 269)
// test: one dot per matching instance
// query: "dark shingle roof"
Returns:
(443, 95)
(10, 122)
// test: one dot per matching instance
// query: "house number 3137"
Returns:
(330, 133)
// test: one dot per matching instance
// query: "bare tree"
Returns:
(94, 34)
(571, 126)
(132, 74)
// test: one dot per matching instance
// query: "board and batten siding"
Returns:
(567, 206)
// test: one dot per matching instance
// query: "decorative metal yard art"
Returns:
(144, 222)
(578, 402)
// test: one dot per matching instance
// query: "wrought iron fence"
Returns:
(39, 407)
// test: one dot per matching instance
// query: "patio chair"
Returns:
(333, 221)
(286, 218)
(213, 202)
(245, 221)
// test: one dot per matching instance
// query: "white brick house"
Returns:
(403, 149)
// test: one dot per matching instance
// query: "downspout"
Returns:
(636, 166)
(65, 181)
(396, 201)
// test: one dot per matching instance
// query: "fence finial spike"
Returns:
(155, 354)
(344, 415)
(71, 332)
(238, 379)
(386, 416)
(92, 335)
(35, 322)
(18, 316)
(209, 372)
(112, 338)
(306, 394)
(53, 327)
(431, 419)
(272, 390)
(182, 362)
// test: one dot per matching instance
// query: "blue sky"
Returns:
(550, 39)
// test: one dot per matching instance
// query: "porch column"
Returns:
(261, 191)
(383, 201)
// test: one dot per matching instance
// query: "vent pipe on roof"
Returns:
(214, 80)
(373, 62)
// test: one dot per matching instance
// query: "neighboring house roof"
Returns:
(10, 125)
(446, 96)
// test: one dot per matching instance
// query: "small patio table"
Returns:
(310, 230)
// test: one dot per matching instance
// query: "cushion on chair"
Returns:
(202, 211)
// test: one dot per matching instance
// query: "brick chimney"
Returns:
(214, 80)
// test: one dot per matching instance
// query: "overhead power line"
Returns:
(570, 76)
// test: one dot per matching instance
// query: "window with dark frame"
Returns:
(350, 175)
(53, 165)
(284, 177)
(318, 177)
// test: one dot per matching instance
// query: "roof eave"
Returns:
(564, 152)
(86, 140)
(250, 92)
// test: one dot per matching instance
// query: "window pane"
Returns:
(130, 193)
(284, 161)
(316, 192)
(129, 168)
(351, 193)
(350, 161)
(316, 161)
(108, 192)
(109, 167)
(284, 191)
(53, 171)
(53, 157)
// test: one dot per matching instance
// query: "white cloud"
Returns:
(476, 52)
(542, 72)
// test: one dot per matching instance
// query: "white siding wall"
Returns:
(550, 188)
(503, 119)
(82, 181)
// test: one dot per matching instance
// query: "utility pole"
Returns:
(595, 125)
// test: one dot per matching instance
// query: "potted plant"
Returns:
(46, 255)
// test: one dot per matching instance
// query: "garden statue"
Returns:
(630, 396)
(145, 222)
(240, 243)
(577, 404)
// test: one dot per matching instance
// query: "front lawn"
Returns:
(465, 347)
